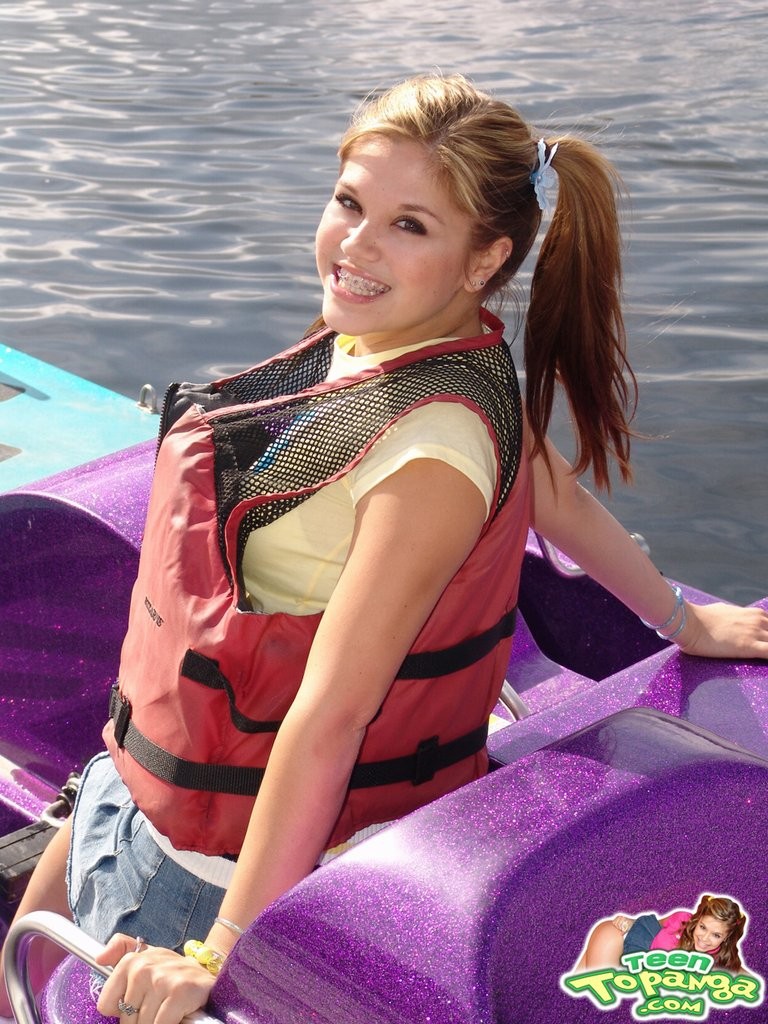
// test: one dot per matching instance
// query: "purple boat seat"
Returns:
(470, 910)
(727, 697)
(570, 633)
(577, 623)
(68, 996)
(70, 546)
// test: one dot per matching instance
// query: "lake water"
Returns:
(164, 165)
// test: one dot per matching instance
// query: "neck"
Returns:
(466, 327)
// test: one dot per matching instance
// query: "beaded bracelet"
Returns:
(208, 958)
(679, 609)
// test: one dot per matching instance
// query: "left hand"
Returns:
(623, 923)
(161, 985)
(724, 631)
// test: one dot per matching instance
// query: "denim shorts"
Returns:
(642, 933)
(118, 878)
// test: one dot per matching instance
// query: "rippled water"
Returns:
(163, 165)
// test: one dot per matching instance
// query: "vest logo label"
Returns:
(153, 613)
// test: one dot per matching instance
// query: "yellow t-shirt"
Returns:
(293, 564)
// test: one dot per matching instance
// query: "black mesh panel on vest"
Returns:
(277, 455)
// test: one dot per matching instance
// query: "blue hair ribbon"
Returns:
(543, 174)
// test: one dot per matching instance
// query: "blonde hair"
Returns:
(483, 153)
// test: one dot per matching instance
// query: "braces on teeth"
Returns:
(359, 285)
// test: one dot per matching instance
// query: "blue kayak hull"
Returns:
(52, 420)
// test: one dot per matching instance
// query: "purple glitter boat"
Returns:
(632, 779)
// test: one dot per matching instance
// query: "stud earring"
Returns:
(479, 284)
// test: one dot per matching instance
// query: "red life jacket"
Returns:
(204, 681)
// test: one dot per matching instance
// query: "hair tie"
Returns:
(543, 174)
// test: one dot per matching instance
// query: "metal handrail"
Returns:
(56, 813)
(556, 560)
(569, 569)
(47, 925)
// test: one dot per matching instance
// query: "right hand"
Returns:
(162, 986)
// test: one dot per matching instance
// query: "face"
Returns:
(708, 934)
(393, 252)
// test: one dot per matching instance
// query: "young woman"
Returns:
(336, 530)
(714, 927)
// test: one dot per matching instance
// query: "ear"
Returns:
(487, 262)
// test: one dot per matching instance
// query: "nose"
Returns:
(360, 239)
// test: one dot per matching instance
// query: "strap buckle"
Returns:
(425, 761)
(120, 713)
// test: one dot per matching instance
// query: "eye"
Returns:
(412, 225)
(345, 199)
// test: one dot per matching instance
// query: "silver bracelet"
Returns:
(225, 923)
(680, 628)
(675, 612)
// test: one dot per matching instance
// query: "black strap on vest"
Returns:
(199, 669)
(424, 665)
(431, 664)
(429, 757)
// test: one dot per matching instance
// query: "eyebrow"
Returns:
(416, 208)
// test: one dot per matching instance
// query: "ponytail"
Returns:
(574, 331)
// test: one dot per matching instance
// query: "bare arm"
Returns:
(412, 533)
(566, 514)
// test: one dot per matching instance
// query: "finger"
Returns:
(125, 951)
(114, 990)
(190, 996)
(128, 993)
(159, 988)
(116, 949)
(136, 1006)
(147, 1003)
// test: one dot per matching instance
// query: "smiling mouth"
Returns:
(358, 285)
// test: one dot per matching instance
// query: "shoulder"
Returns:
(449, 432)
(679, 917)
(675, 922)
